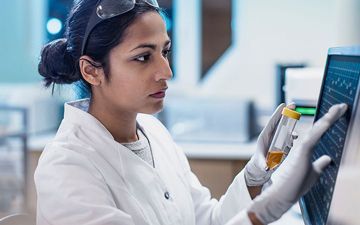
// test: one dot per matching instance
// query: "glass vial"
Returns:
(278, 148)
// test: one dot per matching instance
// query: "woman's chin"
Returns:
(156, 108)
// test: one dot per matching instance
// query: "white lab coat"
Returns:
(85, 177)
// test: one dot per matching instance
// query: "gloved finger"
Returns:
(321, 163)
(269, 129)
(323, 124)
(261, 162)
(318, 167)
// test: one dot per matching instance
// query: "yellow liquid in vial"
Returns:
(274, 158)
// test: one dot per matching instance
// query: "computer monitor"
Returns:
(340, 84)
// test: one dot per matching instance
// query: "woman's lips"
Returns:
(160, 94)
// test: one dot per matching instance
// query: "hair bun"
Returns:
(56, 64)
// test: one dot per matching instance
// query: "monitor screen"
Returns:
(340, 85)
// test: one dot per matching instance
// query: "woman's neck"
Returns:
(121, 124)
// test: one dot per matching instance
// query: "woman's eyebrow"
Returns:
(151, 46)
(145, 45)
(167, 43)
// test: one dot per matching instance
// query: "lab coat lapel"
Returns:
(135, 169)
(170, 173)
(145, 185)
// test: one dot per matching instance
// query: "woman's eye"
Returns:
(143, 58)
(166, 53)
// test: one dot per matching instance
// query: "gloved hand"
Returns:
(297, 174)
(255, 170)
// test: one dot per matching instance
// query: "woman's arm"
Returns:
(210, 211)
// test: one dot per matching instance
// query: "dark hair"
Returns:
(59, 63)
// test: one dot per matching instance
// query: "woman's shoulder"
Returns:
(66, 147)
(69, 155)
(71, 144)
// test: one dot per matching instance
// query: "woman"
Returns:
(111, 162)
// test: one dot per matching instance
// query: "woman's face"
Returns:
(139, 68)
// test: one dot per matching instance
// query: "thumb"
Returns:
(321, 163)
(267, 132)
(261, 162)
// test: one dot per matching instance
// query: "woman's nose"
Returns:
(163, 71)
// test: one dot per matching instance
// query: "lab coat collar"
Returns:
(76, 112)
(115, 153)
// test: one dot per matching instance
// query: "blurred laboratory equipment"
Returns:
(280, 80)
(209, 119)
(279, 146)
(44, 108)
(13, 160)
(302, 87)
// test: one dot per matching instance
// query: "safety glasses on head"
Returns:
(106, 9)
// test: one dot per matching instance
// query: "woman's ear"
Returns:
(91, 71)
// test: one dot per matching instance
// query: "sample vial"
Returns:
(278, 148)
